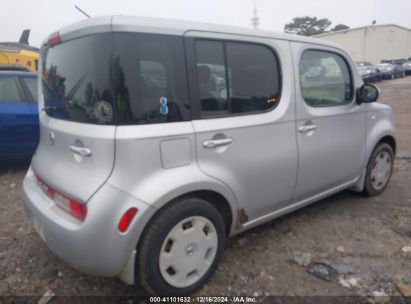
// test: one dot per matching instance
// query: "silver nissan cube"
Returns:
(161, 138)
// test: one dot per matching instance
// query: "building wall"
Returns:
(373, 43)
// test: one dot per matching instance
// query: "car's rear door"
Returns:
(15, 120)
(243, 94)
(77, 114)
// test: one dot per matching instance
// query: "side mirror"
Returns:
(367, 93)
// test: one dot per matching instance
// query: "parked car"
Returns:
(394, 61)
(19, 126)
(369, 73)
(387, 70)
(399, 71)
(145, 183)
(378, 73)
(391, 71)
(407, 67)
(364, 63)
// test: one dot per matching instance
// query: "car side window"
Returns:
(325, 79)
(8, 90)
(152, 79)
(211, 75)
(31, 84)
(236, 78)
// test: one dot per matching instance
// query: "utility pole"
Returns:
(255, 21)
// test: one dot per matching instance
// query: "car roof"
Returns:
(171, 27)
(17, 73)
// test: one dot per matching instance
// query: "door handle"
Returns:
(211, 144)
(83, 151)
(307, 128)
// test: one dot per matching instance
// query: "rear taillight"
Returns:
(126, 219)
(54, 39)
(75, 208)
(78, 210)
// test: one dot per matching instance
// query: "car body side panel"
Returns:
(18, 122)
(17, 130)
(380, 123)
(139, 166)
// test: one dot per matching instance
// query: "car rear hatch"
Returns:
(77, 112)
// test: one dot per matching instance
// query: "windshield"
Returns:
(385, 66)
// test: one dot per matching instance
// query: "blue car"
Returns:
(19, 124)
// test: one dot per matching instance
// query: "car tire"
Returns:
(175, 256)
(379, 170)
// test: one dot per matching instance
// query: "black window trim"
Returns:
(347, 102)
(193, 84)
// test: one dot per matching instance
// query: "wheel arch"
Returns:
(226, 208)
(386, 138)
(224, 202)
(390, 140)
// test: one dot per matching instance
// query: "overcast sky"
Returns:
(46, 16)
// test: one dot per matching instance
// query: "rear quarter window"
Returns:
(152, 85)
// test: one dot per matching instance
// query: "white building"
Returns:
(373, 43)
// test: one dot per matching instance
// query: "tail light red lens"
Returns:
(126, 219)
(54, 39)
(75, 208)
(78, 210)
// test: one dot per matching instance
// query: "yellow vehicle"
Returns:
(19, 55)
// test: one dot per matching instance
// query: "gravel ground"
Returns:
(366, 234)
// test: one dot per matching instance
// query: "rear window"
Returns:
(79, 86)
(120, 78)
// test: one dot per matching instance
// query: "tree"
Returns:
(307, 26)
(339, 27)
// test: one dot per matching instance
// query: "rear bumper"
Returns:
(94, 246)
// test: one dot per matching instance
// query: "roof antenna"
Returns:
(81, 11)
(255, 21)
